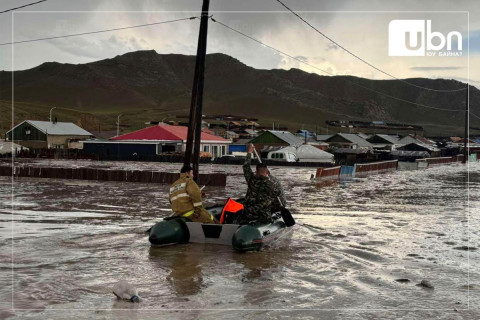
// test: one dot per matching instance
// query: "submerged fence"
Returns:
(375, 167)
(327, 172)
(441, 160)
(362, 169)
(145, 176)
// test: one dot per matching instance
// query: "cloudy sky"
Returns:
(358, 25)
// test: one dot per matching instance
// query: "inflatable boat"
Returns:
(243, 238)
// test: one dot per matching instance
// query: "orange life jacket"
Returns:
(231, 206)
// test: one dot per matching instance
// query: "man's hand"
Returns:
(250, 148)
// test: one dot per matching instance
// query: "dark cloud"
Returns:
(332, 46)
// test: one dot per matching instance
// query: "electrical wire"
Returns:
(99, 31)
(30, 4)
(359, 58)
(329, 73)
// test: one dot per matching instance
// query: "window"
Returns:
(206, 148)
(280, 155)
(223, 150)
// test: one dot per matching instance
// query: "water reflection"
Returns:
(184, 263)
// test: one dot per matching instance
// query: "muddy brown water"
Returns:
(355, 244)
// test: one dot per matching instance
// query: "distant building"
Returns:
(155, 140)
(349, 140)
(36, 134)
(349, 156)
(384, 142)
(432, 150)
(415, 139)
(271, 140)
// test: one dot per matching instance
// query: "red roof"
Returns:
(165, 133)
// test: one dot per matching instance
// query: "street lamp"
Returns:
(51, 113)
(118, 124)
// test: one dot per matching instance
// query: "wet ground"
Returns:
(358, 252)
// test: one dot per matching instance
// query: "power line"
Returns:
(99, 31)
(30, 4)
(329, 73)
(359, 58)
(473, 114)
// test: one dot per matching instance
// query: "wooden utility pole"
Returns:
(465, 149)
(195, 121)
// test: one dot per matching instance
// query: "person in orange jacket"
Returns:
(186, 198)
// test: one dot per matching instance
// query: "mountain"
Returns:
(147, 86)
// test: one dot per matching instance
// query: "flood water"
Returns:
(72, 240)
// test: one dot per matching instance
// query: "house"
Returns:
(432, 150)
(8, 147)
(303, 153)
(36, 134)
(415, 139)
(349, 140)
(155, 140)
(250, 133)
(349, 156)
(384, 141)
(271, 140)
(323, 137)
(231, 135)
(363, 135)
(409, 156)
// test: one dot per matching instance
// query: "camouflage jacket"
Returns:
(277, 193)
(258, 201)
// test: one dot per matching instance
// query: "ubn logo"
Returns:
(415, 38)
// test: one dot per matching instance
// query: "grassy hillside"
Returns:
(145, 86)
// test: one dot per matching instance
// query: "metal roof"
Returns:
(58, 128)
(306, 151)
(390, 138)
(428, 147)
(355, 139)
(363, 135)
(323, 137)
(351, 151)
(166, 132)
(288, 137)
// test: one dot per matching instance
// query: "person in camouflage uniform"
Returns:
(263, 189)
(277, 193)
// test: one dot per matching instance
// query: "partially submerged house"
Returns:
(350, 141)
(36, 134)
(432, 150)
(272, 140)
(415, 139)
(155, 140)
(384, 142)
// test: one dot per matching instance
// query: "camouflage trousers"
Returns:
(254, 213)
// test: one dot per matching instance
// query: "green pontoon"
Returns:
(243, 238)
